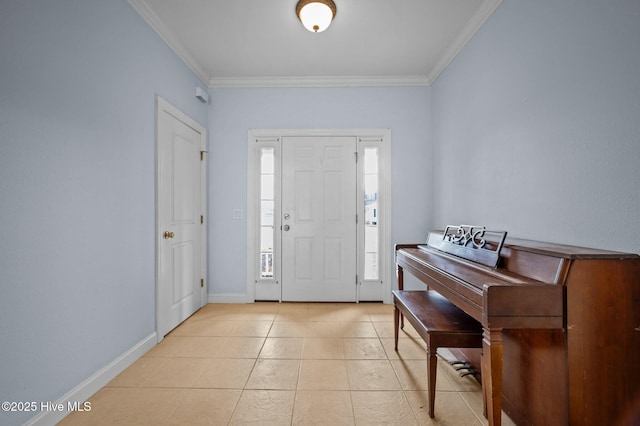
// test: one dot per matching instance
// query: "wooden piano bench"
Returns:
(440, 323)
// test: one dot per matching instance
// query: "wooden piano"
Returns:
(561, 324)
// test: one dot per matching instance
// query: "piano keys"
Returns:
(561, 326)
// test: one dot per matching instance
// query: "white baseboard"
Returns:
(97, 381)
(229, 298)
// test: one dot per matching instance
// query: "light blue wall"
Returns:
(78, 81)
(537, 124)
(234, 111)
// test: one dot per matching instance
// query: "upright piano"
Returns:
(561, 326)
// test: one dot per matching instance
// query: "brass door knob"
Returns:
(168, 235)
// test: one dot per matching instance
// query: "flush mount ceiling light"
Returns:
(316, 15)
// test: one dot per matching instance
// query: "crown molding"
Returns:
(487, 8)
(169, 38)
(474, 24)
(328, 81)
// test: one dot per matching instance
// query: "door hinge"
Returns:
(356, 218)
(202, 153)
(356, 154)
(201, 219)
(201, 282)
(356, 279)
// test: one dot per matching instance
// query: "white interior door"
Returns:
(319, 227)
(180, 204)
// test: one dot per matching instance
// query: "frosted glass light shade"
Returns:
(316, 15)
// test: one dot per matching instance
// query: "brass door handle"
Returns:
(168, 235)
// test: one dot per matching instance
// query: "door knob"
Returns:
(168, 235)
(286, 227)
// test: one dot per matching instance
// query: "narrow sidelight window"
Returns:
(371, 214)
(267, 203)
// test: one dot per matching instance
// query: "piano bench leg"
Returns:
(432, 368)
(396, 318)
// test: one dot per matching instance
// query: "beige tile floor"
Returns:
(285, 364)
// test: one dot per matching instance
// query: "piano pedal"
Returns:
(464, 369)
(463, 366)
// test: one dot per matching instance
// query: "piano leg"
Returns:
(492, 374)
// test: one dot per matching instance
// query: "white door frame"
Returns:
(164, 106)
(378, 290)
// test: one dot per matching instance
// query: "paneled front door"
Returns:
(319, 230)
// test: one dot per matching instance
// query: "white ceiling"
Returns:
(261, 43)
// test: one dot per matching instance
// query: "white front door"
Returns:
(319, 230)
(180, 212)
